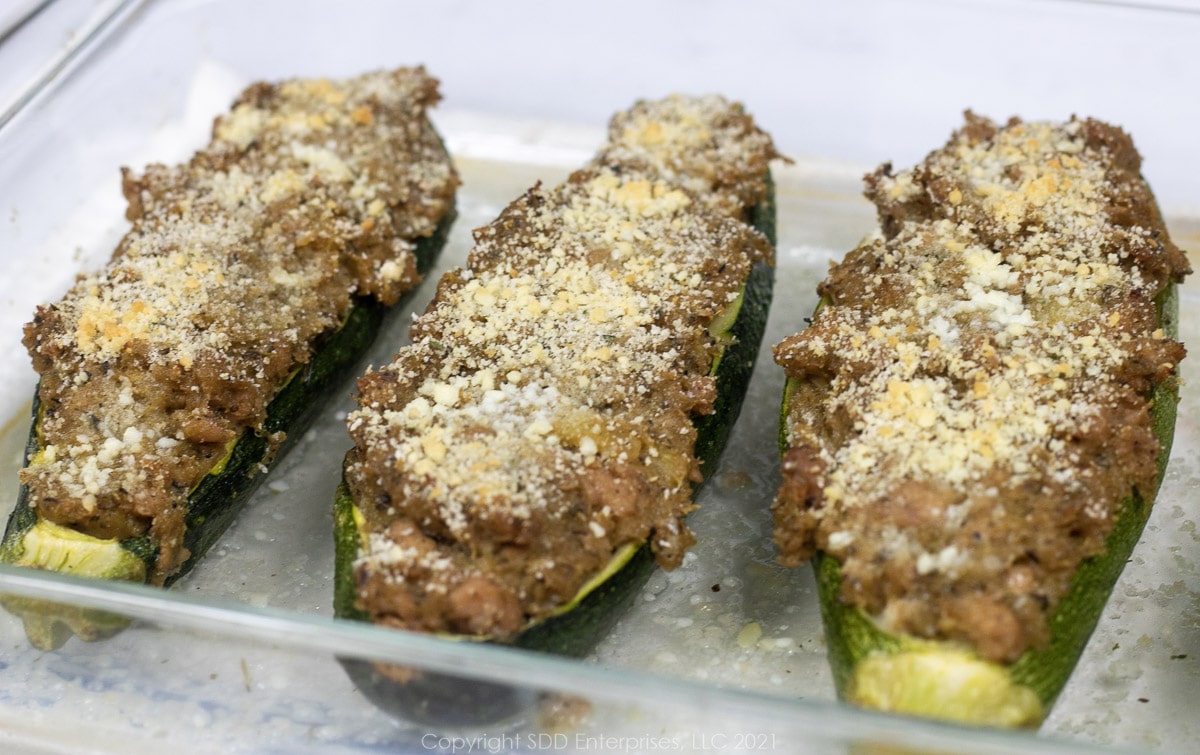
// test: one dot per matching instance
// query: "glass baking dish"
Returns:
(38, 37)
(724, 653)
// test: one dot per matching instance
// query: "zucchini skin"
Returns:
(853, 637)
(219, 497)
(447, 700)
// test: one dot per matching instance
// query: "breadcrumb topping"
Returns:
(311, 194)
(542, 417)
(970, 404)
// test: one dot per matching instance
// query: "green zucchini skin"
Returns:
(219, 497)
(447, 700)
(733, 380)
(852, 636)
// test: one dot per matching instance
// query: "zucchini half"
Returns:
(214, 503)
(575, 628)
(880, 670)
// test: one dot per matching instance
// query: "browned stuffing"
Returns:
(311, 193)
(542, 418)
(970, 405)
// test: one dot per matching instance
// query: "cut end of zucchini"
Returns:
(52, 547)
(944, 683)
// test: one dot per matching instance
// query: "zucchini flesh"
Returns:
(212, 505)
(447, 700)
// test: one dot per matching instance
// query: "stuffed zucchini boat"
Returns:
(252, 280)
(520, 468)
(978, 418)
